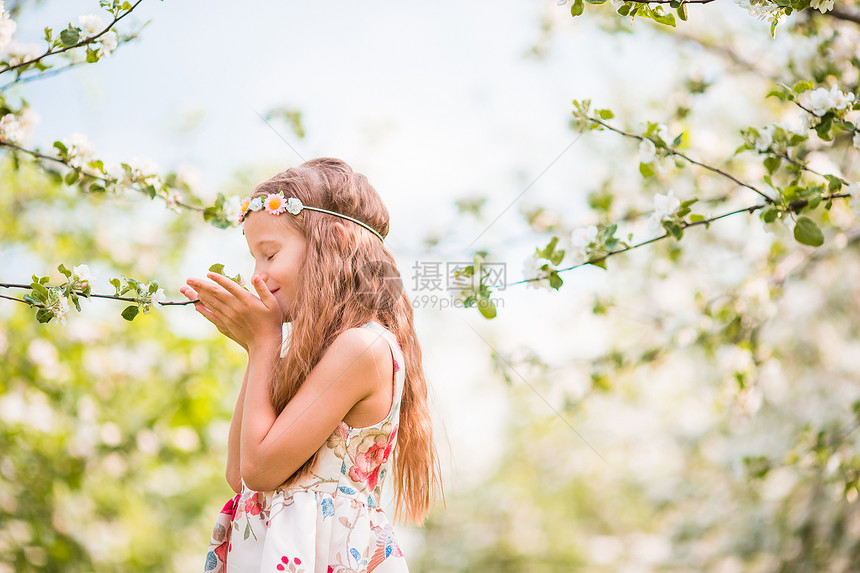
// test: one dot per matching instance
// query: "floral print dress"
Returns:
(331, 522)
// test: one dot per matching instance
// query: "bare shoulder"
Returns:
(364, 353)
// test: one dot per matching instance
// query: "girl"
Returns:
(325, 414)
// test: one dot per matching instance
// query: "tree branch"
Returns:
(683, 156)
(85, 42)
(93, 295)
(84, 173)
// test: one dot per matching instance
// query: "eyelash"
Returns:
(270, 258)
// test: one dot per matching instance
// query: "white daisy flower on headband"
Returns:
(256, 203)
(275, 204)
(294, 205)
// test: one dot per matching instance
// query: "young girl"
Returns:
(327, 413)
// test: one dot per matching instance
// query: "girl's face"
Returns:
(279, 252)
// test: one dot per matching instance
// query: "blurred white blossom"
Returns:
(664, 206)
(761, 9)
(82, 273)
(91, 24)
(531, 269)
(578, 241)
(822, 5)
(764, 139)
(7, 26)
(80, 149)
(18, 128)
(17, 53)
(109, 42)
(647, 151)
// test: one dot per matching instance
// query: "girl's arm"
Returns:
(274, 447)
(234, 477)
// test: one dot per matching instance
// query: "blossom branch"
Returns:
(93, 295)
(86, 41)
(794, 207)
(85, 173)
(672, 151)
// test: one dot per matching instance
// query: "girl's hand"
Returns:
(239, 315)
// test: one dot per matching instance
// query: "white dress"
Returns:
(331, 522)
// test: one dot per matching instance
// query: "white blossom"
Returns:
(82, 273)
(7, 27)
(821, 100)
(761, 9)
(109, 42)
(79, 148)
(531, 269)
(18, 128)
(145, 170)
(856, 139)
(822, 5)
(663, 133)
(61, 308)
(579, 241)
(764, 139)
(616, 4)
(854, 191)
(664, 206)
(16, 53)
(231, 208)
(91, 24)
(647, 151)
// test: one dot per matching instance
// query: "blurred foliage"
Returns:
(112, 435)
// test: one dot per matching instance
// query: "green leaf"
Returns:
(598, 261)
(666, 19)
(814, 202)
(646, 170)
(44, 315)
(834, 184)
(153, 286)
(62, 268)
(682, 11)
(675, 229)
(71, 177)
(769, 214)
(217, 268)
(92, 56)
(802, 86)
(49, 35)
(487, 308)
(130, 312)
(70, 36)
(577, 8)
(41, 291)
(116, 284)
(695, 218)
(605, 113)
(807, 232)
(772, 163)
(126, 6)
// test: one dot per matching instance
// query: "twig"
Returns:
(679, 154)
(93, 295)
(85, 42)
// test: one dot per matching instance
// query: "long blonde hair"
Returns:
(348, 278)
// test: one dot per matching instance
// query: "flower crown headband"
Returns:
(276, 203)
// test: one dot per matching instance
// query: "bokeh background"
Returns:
(688, 409)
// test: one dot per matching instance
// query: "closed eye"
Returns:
(270, 258)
